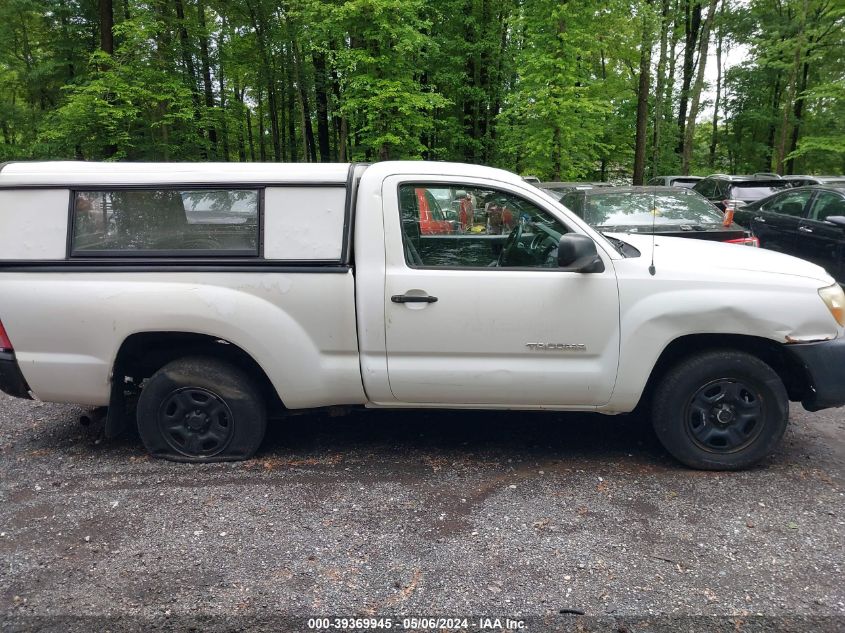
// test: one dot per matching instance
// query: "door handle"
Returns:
(759, 219)
(805, 229)
(413, 299)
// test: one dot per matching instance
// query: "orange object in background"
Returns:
(432, 221)
(729, 216)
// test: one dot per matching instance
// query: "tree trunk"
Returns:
(250, 135)
(689, 132)
(308, 136)
(692, 26)
(797, 114)
(660, 87)
(188, 61)
(770, 139)
(291, 112)
(642, 102)
(789, 99)
(268, 75)
(322, 99)
(224, 126)
(262, 151)
(106, 11)
(185, 45)
(206, 77)
(239, 97)
(343, 125)
(714, 136)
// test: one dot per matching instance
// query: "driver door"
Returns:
(483, 316)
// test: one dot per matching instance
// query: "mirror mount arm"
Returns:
(589, 264)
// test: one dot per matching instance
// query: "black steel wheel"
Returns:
(195, 422)
(201, 409)
(720, 410)
(725, 415)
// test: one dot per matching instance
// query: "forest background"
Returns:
(560, 89)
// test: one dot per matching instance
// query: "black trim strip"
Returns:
(352, 193)
(168, 266)
(176, 185)
(346, 246)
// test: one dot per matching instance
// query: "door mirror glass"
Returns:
(838, 220)
(578, 253)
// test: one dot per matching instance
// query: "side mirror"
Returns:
(838, 220)
(577, 253)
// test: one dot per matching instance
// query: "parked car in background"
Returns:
(735, 191)
(801, 222)
(559, 189)
(817, 180)
(532, 180)
(687, 182)
(663, 210)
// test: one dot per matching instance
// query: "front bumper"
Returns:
(824, 365)
(12, 381)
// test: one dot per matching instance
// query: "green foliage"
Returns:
(547, 87)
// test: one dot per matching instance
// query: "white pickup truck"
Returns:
(203, 299)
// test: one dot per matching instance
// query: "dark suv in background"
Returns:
(735, 191)
(688, 182)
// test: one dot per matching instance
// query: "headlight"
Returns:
(834, 299)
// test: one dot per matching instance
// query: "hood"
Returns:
(685, 253)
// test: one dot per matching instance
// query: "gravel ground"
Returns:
(418, 513)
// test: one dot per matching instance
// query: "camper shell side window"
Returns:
(166, 221)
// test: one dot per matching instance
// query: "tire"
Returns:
(720, 410)
(199, 409)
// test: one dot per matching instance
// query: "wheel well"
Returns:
(143, 354)
(790, 371)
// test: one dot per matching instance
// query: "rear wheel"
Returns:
(720, 410)
(201, 410)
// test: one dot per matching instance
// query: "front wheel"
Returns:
(720, 410)
(201, 409)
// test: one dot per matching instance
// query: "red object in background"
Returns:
(5, 343)
(745, 241)
(466, 214)
(729, 216)
(429, 223)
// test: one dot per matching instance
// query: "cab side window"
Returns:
(452, 226)
(791, 204)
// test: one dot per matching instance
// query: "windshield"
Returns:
(644, 208)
